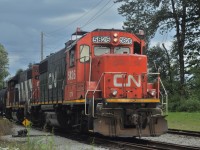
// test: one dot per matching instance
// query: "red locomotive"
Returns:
(98, 83)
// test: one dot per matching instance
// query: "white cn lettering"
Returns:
(52, 80)
(130, 79)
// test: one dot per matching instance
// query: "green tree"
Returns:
(160, 60)
(194, 80)
(166, 15)
(3, 65)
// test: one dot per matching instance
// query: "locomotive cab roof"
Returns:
(119, 30)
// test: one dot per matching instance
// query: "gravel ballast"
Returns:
(47, 139)
(176, 139)
(61, 143)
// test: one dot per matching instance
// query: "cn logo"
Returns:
(131, 79)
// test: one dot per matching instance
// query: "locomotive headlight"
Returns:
(115, 40)
(114, 92)
(153, 93)
(115, 35)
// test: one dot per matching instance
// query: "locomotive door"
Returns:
(71, 77)
(83, 69)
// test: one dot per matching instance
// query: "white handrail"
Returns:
(166, 103)
(90, 69)
(98, 85)
(166, 95)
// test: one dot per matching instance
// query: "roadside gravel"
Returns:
(48, 140)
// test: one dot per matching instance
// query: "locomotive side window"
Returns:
(71, 58)
(100, 50)
(137, 48)
(121, 50)
(84, 53)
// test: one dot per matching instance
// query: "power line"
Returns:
(97, 14)
(95, 17)
(42, 45)
(94, 7)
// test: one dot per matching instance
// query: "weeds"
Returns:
(40, 143)
(5, 127)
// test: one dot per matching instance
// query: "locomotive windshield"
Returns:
(100, 50)
(121, 50)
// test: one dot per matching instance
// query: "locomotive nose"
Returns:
(123, 75)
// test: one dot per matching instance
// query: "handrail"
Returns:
(166, 103)
(102, 75)
(92, 96)
(95, 90)
(86, 103)
(98, 85)
(90, 69)
(166, 95)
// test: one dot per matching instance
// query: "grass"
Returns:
(6, 145)
(184, 121)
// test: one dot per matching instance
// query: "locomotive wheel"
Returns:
(84, 126)
(90, 123)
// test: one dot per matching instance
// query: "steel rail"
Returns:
(184, 132)
(141, 144)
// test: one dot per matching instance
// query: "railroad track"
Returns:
(123, 143)
(184, 132)
(126, 143)
(141, 144)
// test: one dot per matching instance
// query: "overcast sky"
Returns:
(22, 21)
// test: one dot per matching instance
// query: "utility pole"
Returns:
(42, 45)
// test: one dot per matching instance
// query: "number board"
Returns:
(71, 74)
(101, 39)
(125, 40)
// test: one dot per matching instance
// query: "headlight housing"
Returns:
(152, 92)
(114, 92)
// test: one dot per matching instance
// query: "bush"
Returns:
(5, 127)
(191, 104)
(174, 103)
